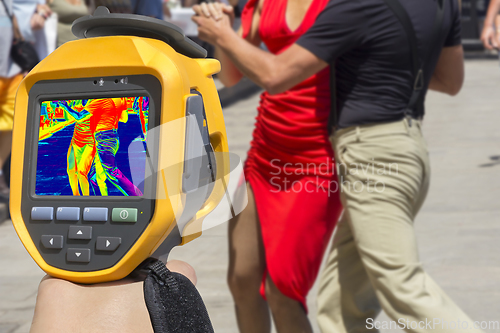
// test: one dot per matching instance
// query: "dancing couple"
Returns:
(92, 151)
(279, 240)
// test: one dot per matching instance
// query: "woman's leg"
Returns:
(84, 157)
(288, 314)
(246, 269)
(71, 170)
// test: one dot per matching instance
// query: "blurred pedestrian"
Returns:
(19, 18)
(31, 16)
(67, 11)
(386, 55)
(152, 8)
(491, 29)
(277, 243)
(10, 78)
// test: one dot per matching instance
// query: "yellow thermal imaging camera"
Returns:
(118, 143)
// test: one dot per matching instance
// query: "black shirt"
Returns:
(372, 54)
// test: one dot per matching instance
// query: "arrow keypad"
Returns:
(83, 236)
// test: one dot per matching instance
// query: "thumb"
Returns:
(227, 9)
(183, 268)
(196, 19)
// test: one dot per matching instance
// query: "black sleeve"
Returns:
(454, 36)
(338, 28)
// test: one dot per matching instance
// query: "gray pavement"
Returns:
(458, 228)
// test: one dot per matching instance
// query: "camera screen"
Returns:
(84, 147)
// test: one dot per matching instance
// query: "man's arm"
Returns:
(448, 76)
(274, 73)
(73, 113)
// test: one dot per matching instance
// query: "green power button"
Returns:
(124, 215)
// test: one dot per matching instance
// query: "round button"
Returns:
(124, 214)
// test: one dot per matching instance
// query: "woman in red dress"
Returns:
(277, 243)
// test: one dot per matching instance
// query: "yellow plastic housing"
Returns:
(178, 74)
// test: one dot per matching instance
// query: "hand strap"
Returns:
(174, 304)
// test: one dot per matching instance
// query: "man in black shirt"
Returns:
(380, 152)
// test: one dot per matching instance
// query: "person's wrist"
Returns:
(224, 37)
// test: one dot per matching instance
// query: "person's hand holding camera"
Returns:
(118, 306)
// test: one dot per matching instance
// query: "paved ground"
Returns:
(458, 228)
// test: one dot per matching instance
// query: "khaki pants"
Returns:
(384, 173)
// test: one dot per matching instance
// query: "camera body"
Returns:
(115, 146)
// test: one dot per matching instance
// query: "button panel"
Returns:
(85, 238)
(78, 255)
(124, 215)
(52, 241)
(95, 214)
(68, 214)
(42, 213)
(107, 243)
(80, 232)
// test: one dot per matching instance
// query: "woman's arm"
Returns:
(229, 74)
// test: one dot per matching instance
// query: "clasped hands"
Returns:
(214, 20)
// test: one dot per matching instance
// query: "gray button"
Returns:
(42, 213)
(68, 213)
(80, 232)
(95, 214)
(52, 241)
(78, 255)
(107, 243)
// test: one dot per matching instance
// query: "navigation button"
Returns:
(78, 255)
(42, 213)
(124, 215)
(52, 241)
(107, 243)
(80, 232)
(68, 213)
(95, 214)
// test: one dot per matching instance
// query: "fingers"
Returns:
(210, 10)
(227, 9)
(204, 9)
(215, 10)
(183, 268)
(490, 39)
(197, 10)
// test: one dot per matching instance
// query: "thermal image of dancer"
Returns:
(106, 114)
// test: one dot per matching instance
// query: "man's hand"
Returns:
(210, 30)
(213, 20)
(118, 306)
(214, 10)
(490, 38)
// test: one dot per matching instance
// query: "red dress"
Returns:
(290, 165)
